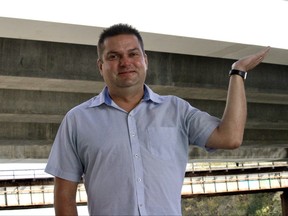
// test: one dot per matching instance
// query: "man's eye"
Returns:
(112, 57)
(134, 54)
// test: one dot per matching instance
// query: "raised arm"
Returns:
(229, 134)
(65, 197)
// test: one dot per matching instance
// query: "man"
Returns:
(129, 144)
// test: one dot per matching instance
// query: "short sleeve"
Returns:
(201, 126)
(64, 161)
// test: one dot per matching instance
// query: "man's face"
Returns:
(123, 63)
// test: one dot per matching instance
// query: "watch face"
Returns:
(245, 75)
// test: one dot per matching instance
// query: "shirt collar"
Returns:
(149, 95)
(104, 97)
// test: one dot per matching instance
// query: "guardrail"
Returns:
(234, 183)
(34, 187)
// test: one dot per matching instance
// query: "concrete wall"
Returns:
(40, 81)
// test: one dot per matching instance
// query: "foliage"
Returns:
(260, 204)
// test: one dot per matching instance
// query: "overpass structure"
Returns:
(47, 68)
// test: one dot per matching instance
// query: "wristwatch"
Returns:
(243, 74)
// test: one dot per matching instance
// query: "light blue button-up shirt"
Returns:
(132, 163)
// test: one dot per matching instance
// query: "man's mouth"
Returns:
(126, 72)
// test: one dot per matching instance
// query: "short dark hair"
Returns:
(115, 30)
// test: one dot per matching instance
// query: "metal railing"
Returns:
(32, 187)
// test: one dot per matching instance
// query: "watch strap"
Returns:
(243, 74)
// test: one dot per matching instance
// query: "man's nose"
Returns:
(125, 60)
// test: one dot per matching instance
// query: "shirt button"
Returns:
(136, 156)
(139, 179)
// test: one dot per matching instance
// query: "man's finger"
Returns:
(263, 53)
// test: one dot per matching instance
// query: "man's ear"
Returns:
(146, 60)
(99, 64)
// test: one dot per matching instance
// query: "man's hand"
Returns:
(249, 62)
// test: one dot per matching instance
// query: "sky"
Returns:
(256, 22)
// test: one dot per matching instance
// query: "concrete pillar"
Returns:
(284, 202)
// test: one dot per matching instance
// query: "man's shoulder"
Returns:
(173, 99)
(83, 106)
(161, 98)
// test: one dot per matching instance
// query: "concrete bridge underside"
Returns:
(40, 80)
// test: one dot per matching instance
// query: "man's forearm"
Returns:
(65, 197)
(229, 133)
(63, 208)
(235, 113)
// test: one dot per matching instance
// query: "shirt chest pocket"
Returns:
(162, 142)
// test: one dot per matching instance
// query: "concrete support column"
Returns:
(284, 202)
